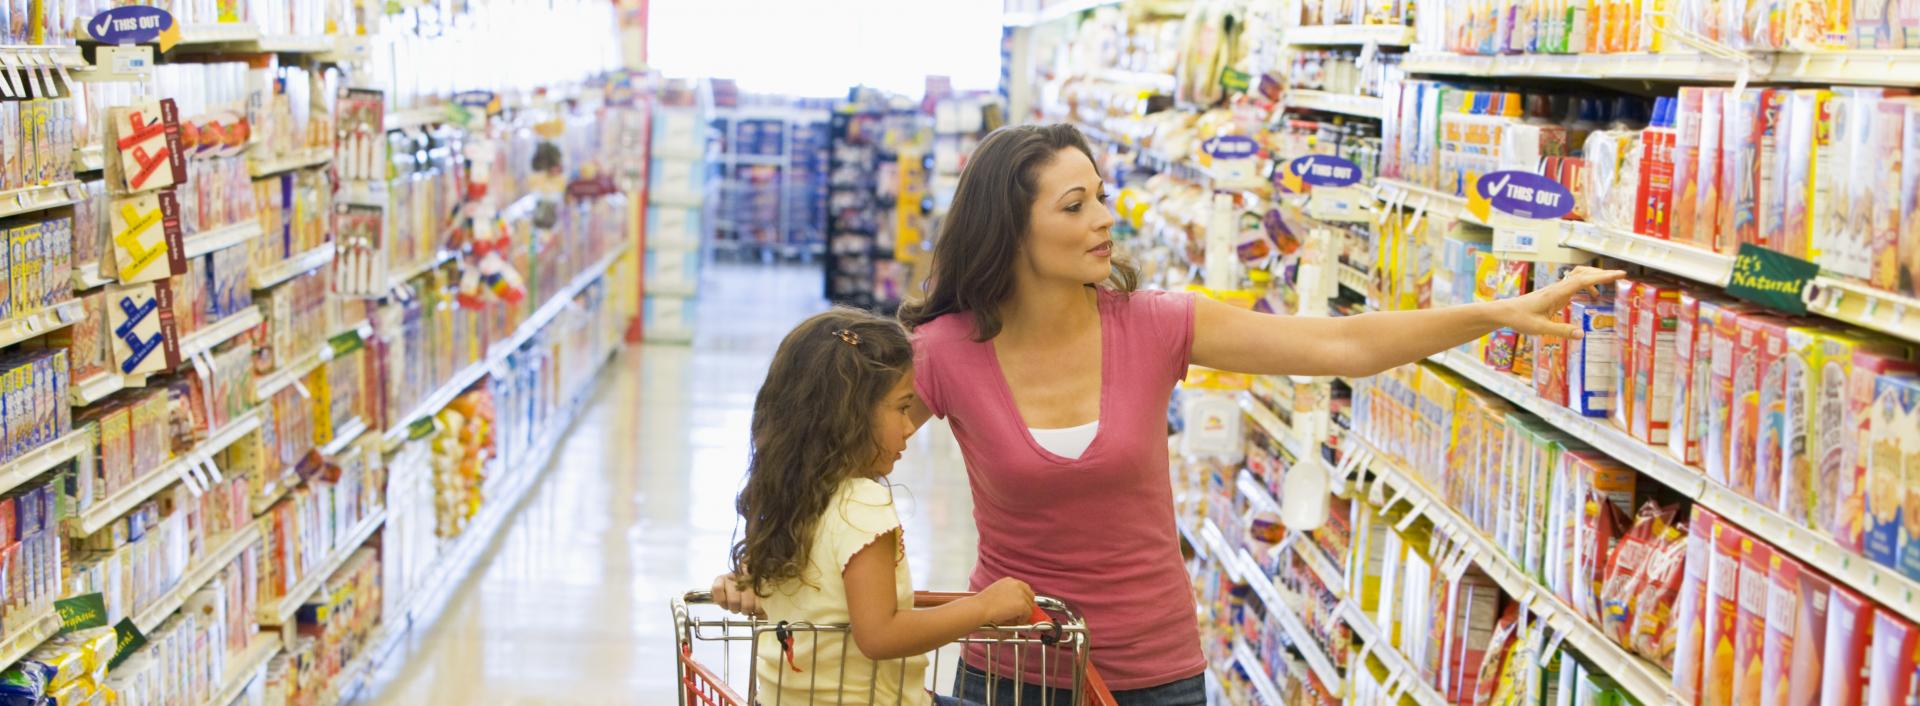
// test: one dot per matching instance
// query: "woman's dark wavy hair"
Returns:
(812, 430)
(973, 257)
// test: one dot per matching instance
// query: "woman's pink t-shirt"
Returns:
(1097, 531)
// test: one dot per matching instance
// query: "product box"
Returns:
(1686, 431)
(1906, 253)
(1722, 615)
(1846, 517)
(1770, 428)
(1801, 140)
(1804, 346)
(1750, 352)
(1627, 312)
(1905, 397)
(1894, 437)
(1656, 323)
(1592, 367)
(1689, 623)
(1689, 111)
(1750, 632)
(1892, 660)
(1874, 27)
(673, 228)
(1884, 173)
(1809, 630)
(1706, 172)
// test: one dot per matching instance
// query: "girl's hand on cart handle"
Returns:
(729, 594)
(1008, 601)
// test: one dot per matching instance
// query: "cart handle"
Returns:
(927, 599)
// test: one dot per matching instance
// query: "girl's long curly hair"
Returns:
(812, 430)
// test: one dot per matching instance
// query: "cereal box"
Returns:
(1845, 517)
(1881, 175)
(1656, 323)
(1706, 210)
(1684, 439)
(1906, 252)
(1753, 331)
(1591, 360)
(1688, 109)
(1690, 613)
(1750, 632)
(1905, 397)
(1824, 412)
(1809, 638)
(1891, 661)
(1770, 413)
(1873, 26)
(1718, 640)
(1805, 136)
(1627, 310)
(1893, 423)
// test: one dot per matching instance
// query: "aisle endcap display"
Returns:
(1645, 682)
(220, 238)
(1357, 106)
(219, 332)
(104, 511)
(294, 266)
(1883, 584)
(76, 444)
(496, 356)
(1350, 35)
(283, 612)
(1256, 672)
(206, 565)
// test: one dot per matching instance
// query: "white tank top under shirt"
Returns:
(1069, 442)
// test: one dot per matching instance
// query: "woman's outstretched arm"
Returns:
(1238, 340)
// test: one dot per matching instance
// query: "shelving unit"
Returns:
(96, 388)
(40, 323)
(32, 464)
(1344, 104)
(28, 634)
(1350, 35)
(344, 438)
(294, 266)
(1692, 68)
(417, 117)
(1060, 9)
(206, 565)
(1263, 683)
(40, 198)
(222, 238)
(244, 668)
(1681, 259)
(288, 163)
(1399, 670)
(282, 612)
(1866, 307)
(219, 332)
(104, 511)
(1645, 682)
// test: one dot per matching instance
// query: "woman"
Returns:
(1055, 376)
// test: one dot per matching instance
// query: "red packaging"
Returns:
(1849, 631)
(1722, 616)
(1750, 634)
(1891, 664)
(1690, 620)
(1749, 359)
(1656, 324)
(1684, 438)
(1796, 635)
(1845, 519)
(1626, 312)
(1720, 324)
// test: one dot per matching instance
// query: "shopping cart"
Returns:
(1055, 641)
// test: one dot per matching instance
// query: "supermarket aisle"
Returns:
(569, 605)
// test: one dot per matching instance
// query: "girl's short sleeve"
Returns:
(861, 513)
(1167, 319)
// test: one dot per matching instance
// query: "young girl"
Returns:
(822, 541)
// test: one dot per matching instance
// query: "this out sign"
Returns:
(1231, 147)
(1525, 194)
(134, 24)
(1326, 170)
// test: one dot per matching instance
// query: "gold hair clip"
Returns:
(852, 339)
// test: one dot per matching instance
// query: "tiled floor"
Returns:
(570, 603)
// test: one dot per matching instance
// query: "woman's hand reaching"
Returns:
(1536, 313)
(728, 594)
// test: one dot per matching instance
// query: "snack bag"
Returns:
(1654, 604)
(1652, 528)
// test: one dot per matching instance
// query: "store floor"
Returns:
(569, 605)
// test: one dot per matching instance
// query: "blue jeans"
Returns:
(939, 700)
(971, 685)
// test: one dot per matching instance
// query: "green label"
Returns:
(82, 612)
(420, 428)
(345, 343)
(1771, 279)
(1235, 81)
(128, 639)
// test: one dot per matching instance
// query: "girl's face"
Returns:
(1068, 235)
(893, 424)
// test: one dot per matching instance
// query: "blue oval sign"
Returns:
(1324, 170)
(1525, 194)
(133, 24)
(474, 99)
(1231, 147)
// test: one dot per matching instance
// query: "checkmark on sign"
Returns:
(100, 30)
(1498, 187)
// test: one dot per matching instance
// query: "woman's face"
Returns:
(1068, 235)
